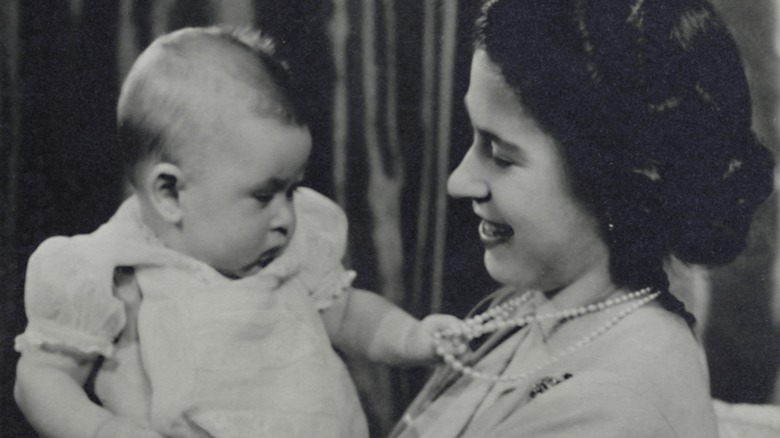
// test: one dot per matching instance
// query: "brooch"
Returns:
(546, 383)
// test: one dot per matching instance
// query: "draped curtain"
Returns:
(385, 79)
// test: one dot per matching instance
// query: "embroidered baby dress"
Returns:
(195, 354)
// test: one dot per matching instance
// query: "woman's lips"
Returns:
(492, 233)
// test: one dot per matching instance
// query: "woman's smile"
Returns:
(493, 233)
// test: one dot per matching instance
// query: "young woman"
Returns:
(609, 136)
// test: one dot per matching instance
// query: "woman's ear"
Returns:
(164, 181)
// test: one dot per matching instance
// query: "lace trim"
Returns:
(41, 334)
(333, 286)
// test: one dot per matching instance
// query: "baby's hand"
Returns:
(423, 341)
(116, 426)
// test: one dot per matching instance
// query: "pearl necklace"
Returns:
(496, 319)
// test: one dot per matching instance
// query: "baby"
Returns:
(207, 306)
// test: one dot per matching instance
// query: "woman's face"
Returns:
(536, 234)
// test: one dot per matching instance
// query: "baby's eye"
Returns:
(264, 198)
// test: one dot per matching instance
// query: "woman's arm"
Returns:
(49, 391)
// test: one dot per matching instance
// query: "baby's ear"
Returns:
(163, 183)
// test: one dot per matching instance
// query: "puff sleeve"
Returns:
(69, 299)
(319, 245)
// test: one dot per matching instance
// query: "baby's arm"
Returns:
(49, 391)
(365, 323)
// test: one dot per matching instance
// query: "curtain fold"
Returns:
(10, 161)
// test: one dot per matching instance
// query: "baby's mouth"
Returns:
(492, 232)
(269, 256)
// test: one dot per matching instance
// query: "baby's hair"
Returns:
(166, 91)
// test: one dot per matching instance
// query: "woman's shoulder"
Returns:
(653, 356)
(653, 350)
(649, 336)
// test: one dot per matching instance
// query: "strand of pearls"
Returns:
(494, 320)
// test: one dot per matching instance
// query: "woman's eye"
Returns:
(488, 148)
(500, 162)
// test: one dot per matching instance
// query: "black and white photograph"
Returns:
(389, 218)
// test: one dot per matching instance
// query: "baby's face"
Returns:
(237, 197)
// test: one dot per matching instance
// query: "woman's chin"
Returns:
(500, 268)
(511, 269)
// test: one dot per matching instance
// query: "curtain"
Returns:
(386, 80)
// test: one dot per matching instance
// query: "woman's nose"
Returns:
(466, 180)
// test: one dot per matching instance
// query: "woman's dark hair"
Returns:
(650, 106)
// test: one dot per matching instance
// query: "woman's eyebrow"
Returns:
(491, 135)
(509, 147)
(505, 146)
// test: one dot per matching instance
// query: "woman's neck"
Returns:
(595, 286)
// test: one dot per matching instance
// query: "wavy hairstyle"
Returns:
(649, 104)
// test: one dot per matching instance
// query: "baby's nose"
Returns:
(284, 217)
